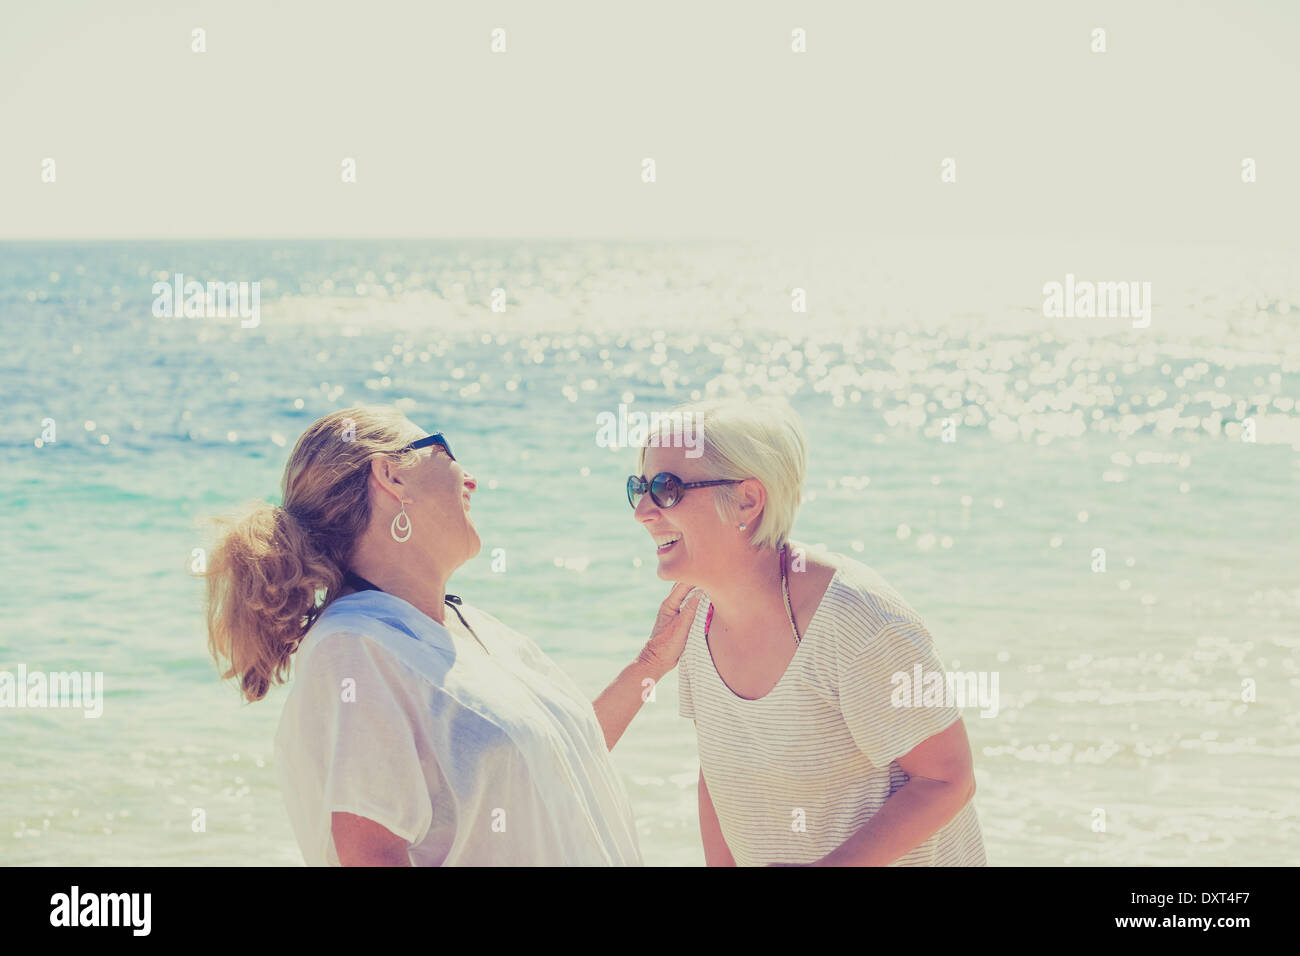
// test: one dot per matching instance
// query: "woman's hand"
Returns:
(668, 639)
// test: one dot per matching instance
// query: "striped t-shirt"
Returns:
(795, 773)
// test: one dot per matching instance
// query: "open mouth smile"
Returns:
(665, 542)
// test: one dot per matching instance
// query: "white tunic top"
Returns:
(795, 773)
(472, 758)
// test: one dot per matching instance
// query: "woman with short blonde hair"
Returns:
(789, 665)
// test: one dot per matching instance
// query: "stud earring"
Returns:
(401, 527)
(742, 527)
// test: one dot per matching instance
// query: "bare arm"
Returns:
(716, 851)
(619, 702)
(363, 842)
(942, 781)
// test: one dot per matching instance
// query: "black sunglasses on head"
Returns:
(435, 439)
(666, 489)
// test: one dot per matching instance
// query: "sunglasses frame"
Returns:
(436, 438)
(639, 486)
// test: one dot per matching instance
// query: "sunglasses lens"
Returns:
(665, 490)
(635, 491)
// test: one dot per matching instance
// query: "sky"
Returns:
(749, 139)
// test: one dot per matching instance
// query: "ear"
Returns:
(751, 497)
(385, 473)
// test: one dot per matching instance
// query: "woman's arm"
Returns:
(942, 781)
(716, 851)
(363, 842)
(619, 702)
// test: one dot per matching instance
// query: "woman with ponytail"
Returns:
(411, 735)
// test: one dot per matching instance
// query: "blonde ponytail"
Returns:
(275, 569)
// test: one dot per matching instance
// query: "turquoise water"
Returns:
(1120, 691)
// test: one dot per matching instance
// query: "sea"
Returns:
(1098, 504)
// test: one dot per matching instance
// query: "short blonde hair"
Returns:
(742, 438)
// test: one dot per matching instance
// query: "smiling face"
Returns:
(691, 540)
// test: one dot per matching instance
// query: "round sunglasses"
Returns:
(666, 489)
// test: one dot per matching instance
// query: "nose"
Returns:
(646, 510)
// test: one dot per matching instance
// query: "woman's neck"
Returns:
(422, 587)
(750, 594)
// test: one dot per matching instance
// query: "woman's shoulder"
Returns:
(364, 627)
(859, 603)
(371, 614)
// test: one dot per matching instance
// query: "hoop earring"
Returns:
(401, 526)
